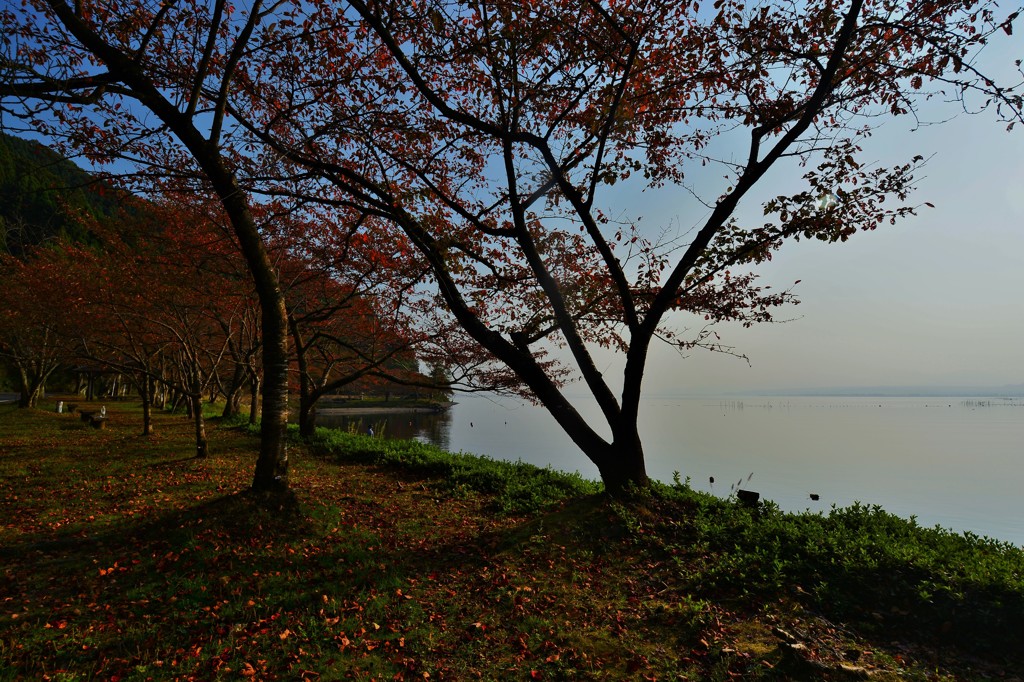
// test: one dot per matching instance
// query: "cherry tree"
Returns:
(33, 340)
(149, 85)
(338, 337)
(489, 132)
(156, 301)
(358, 310)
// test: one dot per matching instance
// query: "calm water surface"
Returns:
(954, 462)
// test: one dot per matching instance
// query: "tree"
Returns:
(86, 72)
(358, 312)
(32, 339)
(338, 337)
(488, 132)
(155, 300)
(353, 311)
(243, 350)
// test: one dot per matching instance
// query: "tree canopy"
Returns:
(489, 132)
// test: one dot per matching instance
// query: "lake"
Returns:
(955, 462)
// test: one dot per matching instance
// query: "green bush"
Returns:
(858, 564)
(516, 486)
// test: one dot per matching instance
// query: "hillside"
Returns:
(40, 193)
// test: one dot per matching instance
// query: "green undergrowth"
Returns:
(124, 557)
(859, 564)
(514, 487)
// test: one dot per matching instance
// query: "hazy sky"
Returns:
(937, 299)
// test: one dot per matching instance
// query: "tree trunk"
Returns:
(233, 399)
(272, 464)
(30, 389)
(27, 398)
(175, 401)
(147, 417)
(232, 405)
(271, 473)
(621, 462)
(147, 405)
(624, 472)
(307, 415)
(202, 447)
(307, 401)
(254, 400)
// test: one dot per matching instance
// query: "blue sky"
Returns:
(936, 299)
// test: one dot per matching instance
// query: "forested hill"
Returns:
(41, 191)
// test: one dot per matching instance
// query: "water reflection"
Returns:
(434, 428)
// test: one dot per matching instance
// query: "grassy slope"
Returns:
(120, 556)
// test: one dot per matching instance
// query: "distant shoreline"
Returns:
(343, 411)
(1011, 391)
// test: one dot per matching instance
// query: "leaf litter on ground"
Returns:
(125, 558)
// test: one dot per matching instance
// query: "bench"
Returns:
(96, 419)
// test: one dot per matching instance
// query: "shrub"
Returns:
(517, 487)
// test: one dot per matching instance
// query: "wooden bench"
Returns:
(95, 419)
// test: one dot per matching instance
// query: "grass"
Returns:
(121, 557)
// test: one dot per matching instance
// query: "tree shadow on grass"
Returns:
(233, 580)
(94, 598)
(231, 577)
